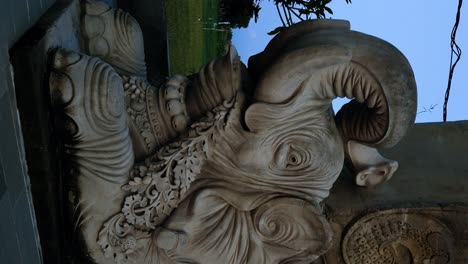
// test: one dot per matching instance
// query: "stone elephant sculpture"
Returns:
(209, 169)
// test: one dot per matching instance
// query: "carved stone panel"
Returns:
(398, 236)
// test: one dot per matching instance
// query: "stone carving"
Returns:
(115, 37)
(196, 171)
(397, 236)
(156, 115)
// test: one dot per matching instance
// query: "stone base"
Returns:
(429, 188)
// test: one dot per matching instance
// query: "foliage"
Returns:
(195, 35)
(300, 10)
(239, 12)
(198, 30)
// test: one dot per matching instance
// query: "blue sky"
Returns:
(419, 28)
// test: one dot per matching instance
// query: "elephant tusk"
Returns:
(371, 167)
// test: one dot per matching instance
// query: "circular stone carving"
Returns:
(398, 237)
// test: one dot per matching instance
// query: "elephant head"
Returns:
(287, 143)
(304, 68)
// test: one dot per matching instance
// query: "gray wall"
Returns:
(433, 169)
(19, 241)
(432, 181)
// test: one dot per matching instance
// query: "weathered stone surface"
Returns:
(431, 171)
(399, 236)
(59, 27)
(239, 179)
(430, 183)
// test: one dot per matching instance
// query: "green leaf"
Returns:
(328, 10)
(321, 14)
(276, 31)
(304, 11)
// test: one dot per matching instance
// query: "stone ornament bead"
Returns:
(174, 96)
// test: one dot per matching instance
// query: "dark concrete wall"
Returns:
(433, 169)
(151, 15)
(19, 241)
(432, 180)
(58, 27)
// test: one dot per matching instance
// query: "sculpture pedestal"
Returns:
(429, 188)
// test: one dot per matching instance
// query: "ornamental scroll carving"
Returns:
(208, 169)
(398, 236)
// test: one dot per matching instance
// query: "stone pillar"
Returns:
(18, 229)
(29, 56)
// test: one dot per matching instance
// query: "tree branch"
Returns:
(457, 52)
(279, 13)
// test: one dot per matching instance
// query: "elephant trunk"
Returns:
(332, 61)
(216, 82)
(317, 61)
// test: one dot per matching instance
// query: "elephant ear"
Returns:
(290, 224)
(322, 60)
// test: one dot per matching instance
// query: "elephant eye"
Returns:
(294, 158)
(290, 157)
